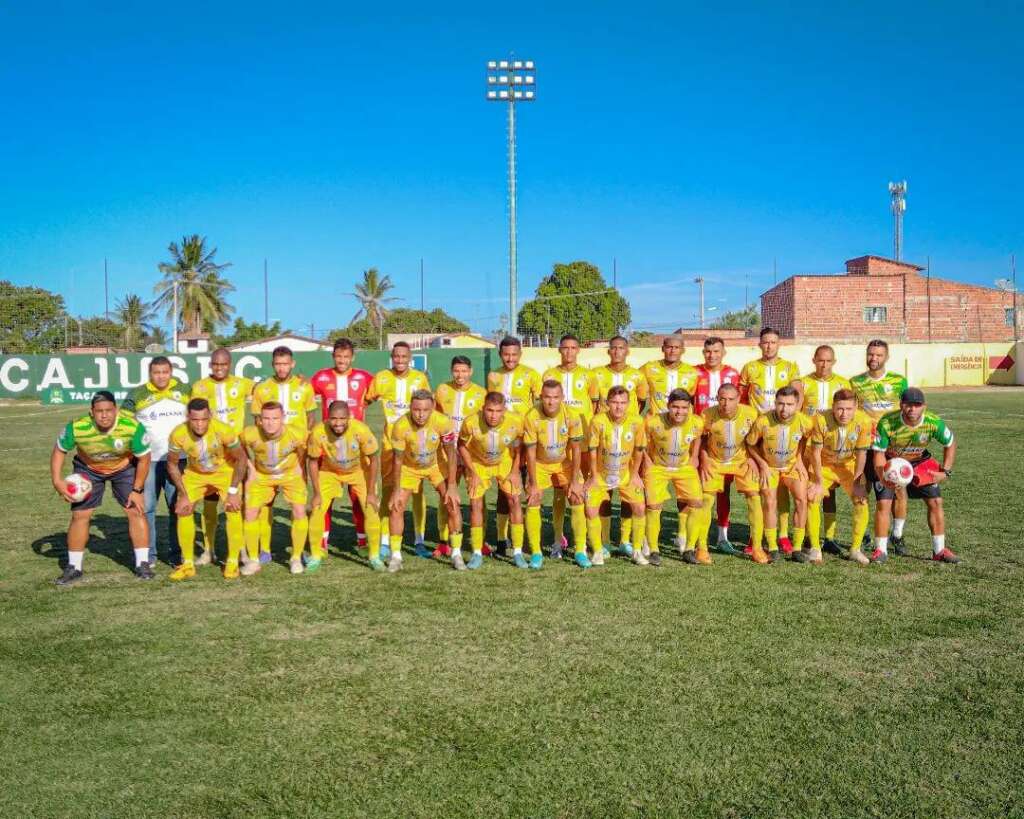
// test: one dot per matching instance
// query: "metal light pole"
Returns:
(699, 281)
(174, 320)
(511, 81)
(898, 192)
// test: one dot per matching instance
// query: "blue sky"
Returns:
(679, 139)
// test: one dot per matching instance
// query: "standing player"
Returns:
(669, 374)
(711, 375)
(490, 444)
(216, 463)
(906, 433)
(109, 447)
(227, 395)
(577, 390)
(615, 454)
(342, 452)
(394, 388)
(673, 445)
(552, 437)
(416, 440)
(343, 382)
(776, 442)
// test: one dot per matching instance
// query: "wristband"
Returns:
(949, 473)
(232, 490)
(137, 491)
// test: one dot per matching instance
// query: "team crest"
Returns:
(118, 444)
(145, 438)
(433, 436)
(176, 395)
(506, 439)
(234, 392)
(354, 446)
(797, 437)
(782, 376)
(471, 403)
(519, 382)
(629, 436)
(923, 438)
(887, 388)
(563, 430)
(296, 396)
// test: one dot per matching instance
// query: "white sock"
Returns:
(897, 526)
(681, 541)
(882, 544)
(141, 555)
(938, 543)
(517, 552)
(723, 533)
(361, 537)
(75, 559)
(421, 537)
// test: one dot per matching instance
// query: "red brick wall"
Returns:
(777, 308)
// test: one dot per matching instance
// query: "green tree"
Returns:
(202, 290)
(746, 319)
(248, 331)
(96, 331)
(400, 320)
(156, 336)
(32, 320)
(576, 299)
(136, 318)
(371, 293)
(641, 338)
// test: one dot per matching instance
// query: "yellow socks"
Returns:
(830, 525)
(558, 513)
(783, 506)
(252, 537)
(533, 527)
(502, 527)
(372, 523)
(594, 529)
(316, 528)
(625, 529)
(755, 514)
(442, 522)
(653, 528)
(383, 512)
(300, 529)
(681, 527)
(266, 521)
(798, 538)
(694, 522)
(236, 535)
(517, 536)
(578, 518)
(772, 536)
(209, 526)
(606, 530)
(476, 539)
(456, 541)
(814, 524)
(419, 514)
(861, 516)
(187, 537)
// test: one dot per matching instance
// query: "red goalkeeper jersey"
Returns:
(705, 394)
(329, 385)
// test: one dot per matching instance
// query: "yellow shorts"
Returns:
(199, 484)
(683, 480)
(387, 463)
(742, 478)
(790, 477)
(501, 472)
(557, 475)
(841, 474)
(413, 477)
(259, 491)
(602, 491)
(334, 485)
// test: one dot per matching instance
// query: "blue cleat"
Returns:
(423, 551)
(536, 561)
(313, 564)
(519, 560)
(582, 560)
(605, 552)
(385, 551)
(266, 557)
(476, 561)
(377, 564)
(625, 549)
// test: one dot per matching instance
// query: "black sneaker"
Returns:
(70, 577)
(654, 559)
(899, 546)
(690, 556)
(501, 548)
(774, 556)
(144, 572)
(800, 557)
(830, 547)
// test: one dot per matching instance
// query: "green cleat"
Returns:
(377, 564)
(313, 564)
(724, 547)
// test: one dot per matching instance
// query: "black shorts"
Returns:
(883, 492)
(121, 483)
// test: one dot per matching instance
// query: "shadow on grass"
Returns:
(108, 536)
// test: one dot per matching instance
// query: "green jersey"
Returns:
(105, 452)
(898, 440)
(877, 396)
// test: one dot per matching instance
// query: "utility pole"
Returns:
(699, 281)
(106, 291)
(266, 297)
(928, 295)
(615, 273)
(898, 192)
(423, 309)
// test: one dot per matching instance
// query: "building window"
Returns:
(1009, 316)
(875, 315)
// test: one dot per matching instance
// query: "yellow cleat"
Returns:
(758, 555)
(184, 572)
(231, 571)
(703, 557)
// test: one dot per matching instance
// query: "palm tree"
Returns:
(201, 288)
(370, 293)
(136, 319)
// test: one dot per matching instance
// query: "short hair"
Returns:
(767, 331)
(613, 339)
(673, 337)
(344, 344)
(160, 359)
(220, 350)
(551, 384)
(338, 405)
(509, 341)
(100, 396)
(679, 394)
(878, 342)
(493, 398)
(618, 389)
(398, 344)
(461, 359)
(272, 405)
(844, 395)
(198, 405)
(568, 337)
(728, 386)
(422, 395)
(789, 391)
(821, 347)
(711, 341)
(281, 351)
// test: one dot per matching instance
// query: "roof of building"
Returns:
(282, 337)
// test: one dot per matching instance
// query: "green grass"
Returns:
(732, 690)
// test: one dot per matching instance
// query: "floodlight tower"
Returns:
(511, 81)
(898, 192)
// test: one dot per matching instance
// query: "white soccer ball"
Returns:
(898, 471)
(79, 487)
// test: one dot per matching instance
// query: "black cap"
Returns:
(912, 395)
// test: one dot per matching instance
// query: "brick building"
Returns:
(879, 297)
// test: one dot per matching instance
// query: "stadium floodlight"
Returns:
(512, 73)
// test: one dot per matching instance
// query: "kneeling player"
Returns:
(216, 464)
(673, 444)
(551, 437)
(342, 442)
(416, 440)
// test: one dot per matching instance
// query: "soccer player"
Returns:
(416, 439)
(670, 459)
(216, 463)
(906, 433)
(277, 452)
(159, 405)
(109, 447)
(552, 437)
(457, 399)
(490, 445)
(615, 454)
(669, 374)
(839, 443)
(724, 457)
(394, 388)
(878, 393)
(336, 452)
(343, 382)
(227, 395)
(577, 390)
(520, 386)
(776, 442)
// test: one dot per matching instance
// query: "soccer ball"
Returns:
(898, 471)
(79, 487)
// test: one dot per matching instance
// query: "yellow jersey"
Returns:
(295, 395)
(489, 446)
(759, 381)
(227, 398)
(273, 456)
(779, 441)
(661, 380)
(207, 454)
(395, 394)
(630, 377)
(552, 436)
(577, 388)
(667, 445)
(419, 445)
(839, 443)
(342, 454)
(613, 445)
(818, 392)
(459, 404)
(724, 438)
(521, 387)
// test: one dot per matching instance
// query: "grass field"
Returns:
(732, 690)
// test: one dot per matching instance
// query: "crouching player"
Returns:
(489, 446)
(840, 440)
(673, 445)
(777, 442)
(335, 453)
(216, 464)
(552, 436)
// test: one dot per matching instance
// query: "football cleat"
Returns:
(487, 550)
(295, 565)
(422, 550)
(395, 563)
(800, 556)
(646, 550)
(830, 547)
(625, 549)
(313, 564)
(724, 547)
(377, 564)
(774, 555)
(475, 561)
(457, 562)
(231, 571)
(556, 550)
(144, 572)
(945, 556)
(786, 545)
(814, 556)
(654, 559)
(690, 556)
(878, 556)
(536, 561)
(251, 568)
(899, 546)
(748, 550)
(758, 555)
(385, 551)
(598, 559)
(185, 571)
(519, 560)
(501, 549)
(858, 557)
(605, 552)
(703, 557)
(205, 559)
(582, 560)
(266, 557)
(639, 559)
(70, 576)
(442, 550)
